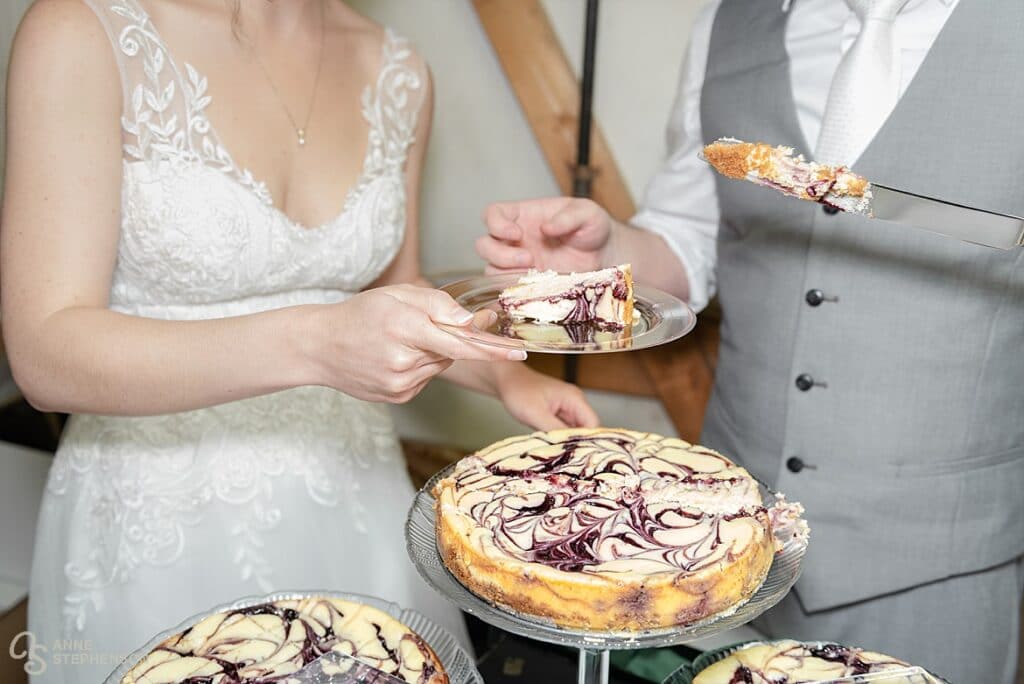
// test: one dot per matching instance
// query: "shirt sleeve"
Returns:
(680, 203)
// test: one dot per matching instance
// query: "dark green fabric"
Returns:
(652, 664)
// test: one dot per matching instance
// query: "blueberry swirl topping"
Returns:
(270, 642)
(792, 662)
(610, 501)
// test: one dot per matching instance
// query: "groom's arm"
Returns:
(680, 204)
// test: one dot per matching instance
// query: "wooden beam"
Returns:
(679, 374)
(548, 91)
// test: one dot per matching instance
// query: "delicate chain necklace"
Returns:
(300, 131)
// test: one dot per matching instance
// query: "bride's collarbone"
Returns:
(259, 102)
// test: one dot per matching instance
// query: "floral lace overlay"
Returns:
(201, 238)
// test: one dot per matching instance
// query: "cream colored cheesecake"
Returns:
(267, 642)
(780, 168)
(603, 298)
(791, 662)
(606, 529)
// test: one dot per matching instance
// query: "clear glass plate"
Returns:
(659, 318)
(457, 663)
(421, 543)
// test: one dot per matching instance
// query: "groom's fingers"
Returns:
(500, 219)
(503, 255)
(570, 218)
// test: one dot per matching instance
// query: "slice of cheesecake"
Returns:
(603, 298)
(789, 173)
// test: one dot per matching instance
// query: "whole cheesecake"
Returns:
(792, 662)
(606, 529)
(268, 642)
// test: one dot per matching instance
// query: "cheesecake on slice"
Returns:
(789, 173)
(603, 298)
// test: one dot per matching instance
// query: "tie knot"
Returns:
(876, 9)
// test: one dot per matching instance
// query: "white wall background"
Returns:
(482, 151)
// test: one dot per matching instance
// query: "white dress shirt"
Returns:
(680, 202)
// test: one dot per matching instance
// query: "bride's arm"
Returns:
(58, 247)
(535, 399)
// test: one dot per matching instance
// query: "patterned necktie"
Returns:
(866, 85)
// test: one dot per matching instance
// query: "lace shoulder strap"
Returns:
(163, 114)
(153, 109)
(392, 105)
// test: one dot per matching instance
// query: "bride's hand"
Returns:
(542, 402)
(383, 344)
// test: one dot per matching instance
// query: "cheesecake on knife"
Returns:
(789, 173)
(603, 298)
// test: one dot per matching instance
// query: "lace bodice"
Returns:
(199, 230)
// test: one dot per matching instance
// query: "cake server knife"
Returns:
(969, 224)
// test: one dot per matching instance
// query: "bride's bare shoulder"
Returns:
(58, 36)
(361, 34)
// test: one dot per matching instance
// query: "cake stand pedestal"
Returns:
(593, 646)
(593, 667)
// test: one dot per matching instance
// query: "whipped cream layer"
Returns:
(268, 642)
(609, 502)
(782, 169)
(791, 662)
(600, 297)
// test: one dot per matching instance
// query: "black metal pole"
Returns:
(582, 176)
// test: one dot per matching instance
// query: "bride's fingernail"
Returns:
(517, 355)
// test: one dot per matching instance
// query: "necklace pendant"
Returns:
(302, 136)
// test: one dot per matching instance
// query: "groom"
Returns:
(871, 371)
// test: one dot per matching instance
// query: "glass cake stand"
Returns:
(593, 646)
(457, 663)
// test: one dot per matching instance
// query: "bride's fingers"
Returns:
(484, 319)
(423, 374)
(545, 420)
(433, 339)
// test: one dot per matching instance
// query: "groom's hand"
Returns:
(558, 233)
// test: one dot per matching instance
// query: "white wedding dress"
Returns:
(146, 521)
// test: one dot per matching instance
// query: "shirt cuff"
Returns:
(696, 252)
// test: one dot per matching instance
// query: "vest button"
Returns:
(814, 297)
(804, 382)
(794, 464)
(830, 210)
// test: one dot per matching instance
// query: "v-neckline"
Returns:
(243, 176)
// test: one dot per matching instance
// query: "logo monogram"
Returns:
(34, 663)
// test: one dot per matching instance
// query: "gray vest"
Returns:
(913, 442)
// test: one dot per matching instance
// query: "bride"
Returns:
(209, 256)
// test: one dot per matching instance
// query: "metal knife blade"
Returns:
(978, 226)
